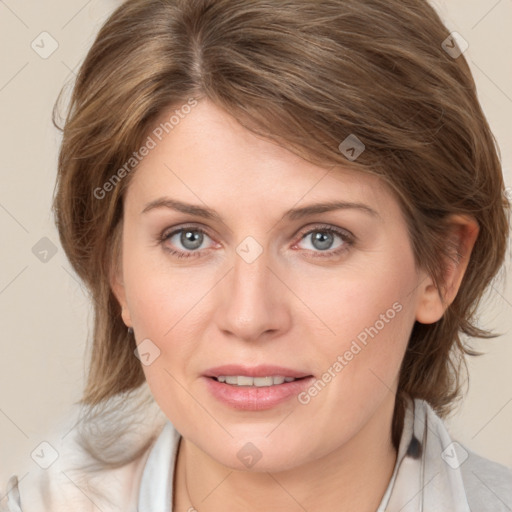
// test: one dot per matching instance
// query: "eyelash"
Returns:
(346, 237)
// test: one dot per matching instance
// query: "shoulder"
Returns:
(60, 490)
(488, 484)
(97, 463)
(10, 497)
(75, 482)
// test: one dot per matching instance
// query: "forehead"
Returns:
(209, 157)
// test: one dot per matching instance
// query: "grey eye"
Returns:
(191, 239)
(321, 240)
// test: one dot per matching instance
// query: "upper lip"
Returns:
(264, 370)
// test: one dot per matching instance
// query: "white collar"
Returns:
(155, 494)
(426, 475)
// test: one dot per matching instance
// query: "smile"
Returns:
(245, 380)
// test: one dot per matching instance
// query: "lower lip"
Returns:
(252, 398)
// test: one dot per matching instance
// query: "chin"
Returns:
(256, 453)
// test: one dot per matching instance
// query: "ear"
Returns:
(432, 303)
(118, 289)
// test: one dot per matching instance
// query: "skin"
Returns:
(287, 307)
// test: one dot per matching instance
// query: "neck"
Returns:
(354, 476)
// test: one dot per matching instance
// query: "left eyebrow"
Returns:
(299, 213)
(293, 214)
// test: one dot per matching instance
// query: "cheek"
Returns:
(165, 305)
(370, 316)
(364, 305)
(158, 294)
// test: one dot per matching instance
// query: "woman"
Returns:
(286, 213)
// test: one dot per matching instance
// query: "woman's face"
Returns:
(256, 277)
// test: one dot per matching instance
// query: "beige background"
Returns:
(44, 312)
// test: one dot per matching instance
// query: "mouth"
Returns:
(259, 382)
(263, 375)
(264, 391)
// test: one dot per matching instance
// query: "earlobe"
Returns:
(119, 292)
(430, 306)
(116, 280)
(433, 302)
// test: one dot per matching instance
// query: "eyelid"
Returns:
(348, 240)
(326, 227)
(168, 232)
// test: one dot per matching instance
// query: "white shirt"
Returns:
(446, 477)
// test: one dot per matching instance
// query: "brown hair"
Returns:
(306, 74)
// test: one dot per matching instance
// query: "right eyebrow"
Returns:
(174, 204)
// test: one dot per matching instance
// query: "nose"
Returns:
(253, 301)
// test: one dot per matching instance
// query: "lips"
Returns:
(255, 371)
(256, 398)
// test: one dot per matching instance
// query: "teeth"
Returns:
(244, 380)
